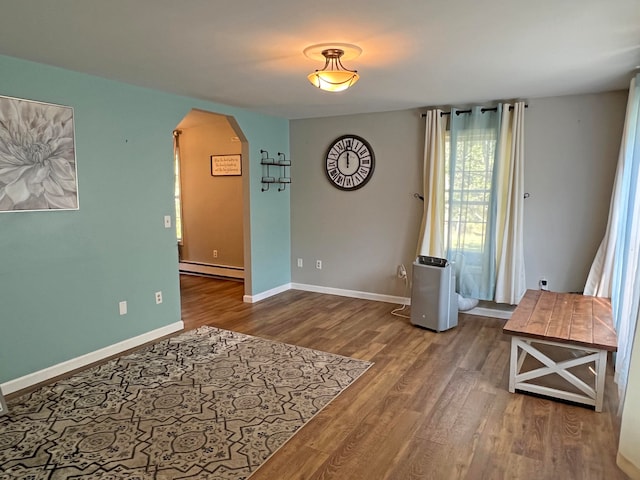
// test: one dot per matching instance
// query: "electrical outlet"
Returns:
(158, 298)
(402, 272)
(215, 254)
(319, 264)
(122, 307)
(299, 263)
(543, 284)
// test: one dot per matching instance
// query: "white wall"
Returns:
(360, 236)
(571, 152)
(571, 147)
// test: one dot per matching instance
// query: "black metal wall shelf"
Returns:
(282, 163)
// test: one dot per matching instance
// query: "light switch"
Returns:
(167, 221)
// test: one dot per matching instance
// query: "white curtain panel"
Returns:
(431, 242)
(615, 271)
(600, 279)
(600, 276)
(625, 298)
(510, 272)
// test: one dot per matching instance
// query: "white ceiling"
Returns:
(248, 53)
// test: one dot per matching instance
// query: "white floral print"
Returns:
(37, 156)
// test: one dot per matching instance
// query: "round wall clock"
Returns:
(349, 162)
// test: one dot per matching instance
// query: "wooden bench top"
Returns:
(565, 318)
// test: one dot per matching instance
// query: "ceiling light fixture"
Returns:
(334, 77)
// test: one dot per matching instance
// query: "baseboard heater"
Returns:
(209, 269)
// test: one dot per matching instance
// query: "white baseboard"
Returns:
(628, 467)
(378, 297)
(87, 359)
(269, 293)
(326, 290)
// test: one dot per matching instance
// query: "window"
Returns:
(176, 186)
(473, 215)
(469, 161)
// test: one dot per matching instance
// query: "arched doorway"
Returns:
(210, 196)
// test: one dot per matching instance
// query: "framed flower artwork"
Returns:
(37, 156)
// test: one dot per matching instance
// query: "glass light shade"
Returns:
(333, 80)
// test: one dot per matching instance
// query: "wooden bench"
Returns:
(576, 330)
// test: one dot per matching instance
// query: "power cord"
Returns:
(402, 274)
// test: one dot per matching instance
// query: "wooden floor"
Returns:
(434, 405)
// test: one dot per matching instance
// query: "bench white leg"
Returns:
(601, 372)
(513, 367)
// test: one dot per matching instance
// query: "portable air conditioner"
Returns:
(434, 301)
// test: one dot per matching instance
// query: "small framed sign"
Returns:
(222, 165)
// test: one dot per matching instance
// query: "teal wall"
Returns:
(63, 273)
(270, 210)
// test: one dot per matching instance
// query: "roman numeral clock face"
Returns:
(349, 162)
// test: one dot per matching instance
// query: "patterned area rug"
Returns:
(208, 404)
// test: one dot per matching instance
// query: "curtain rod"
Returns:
(491, 109)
